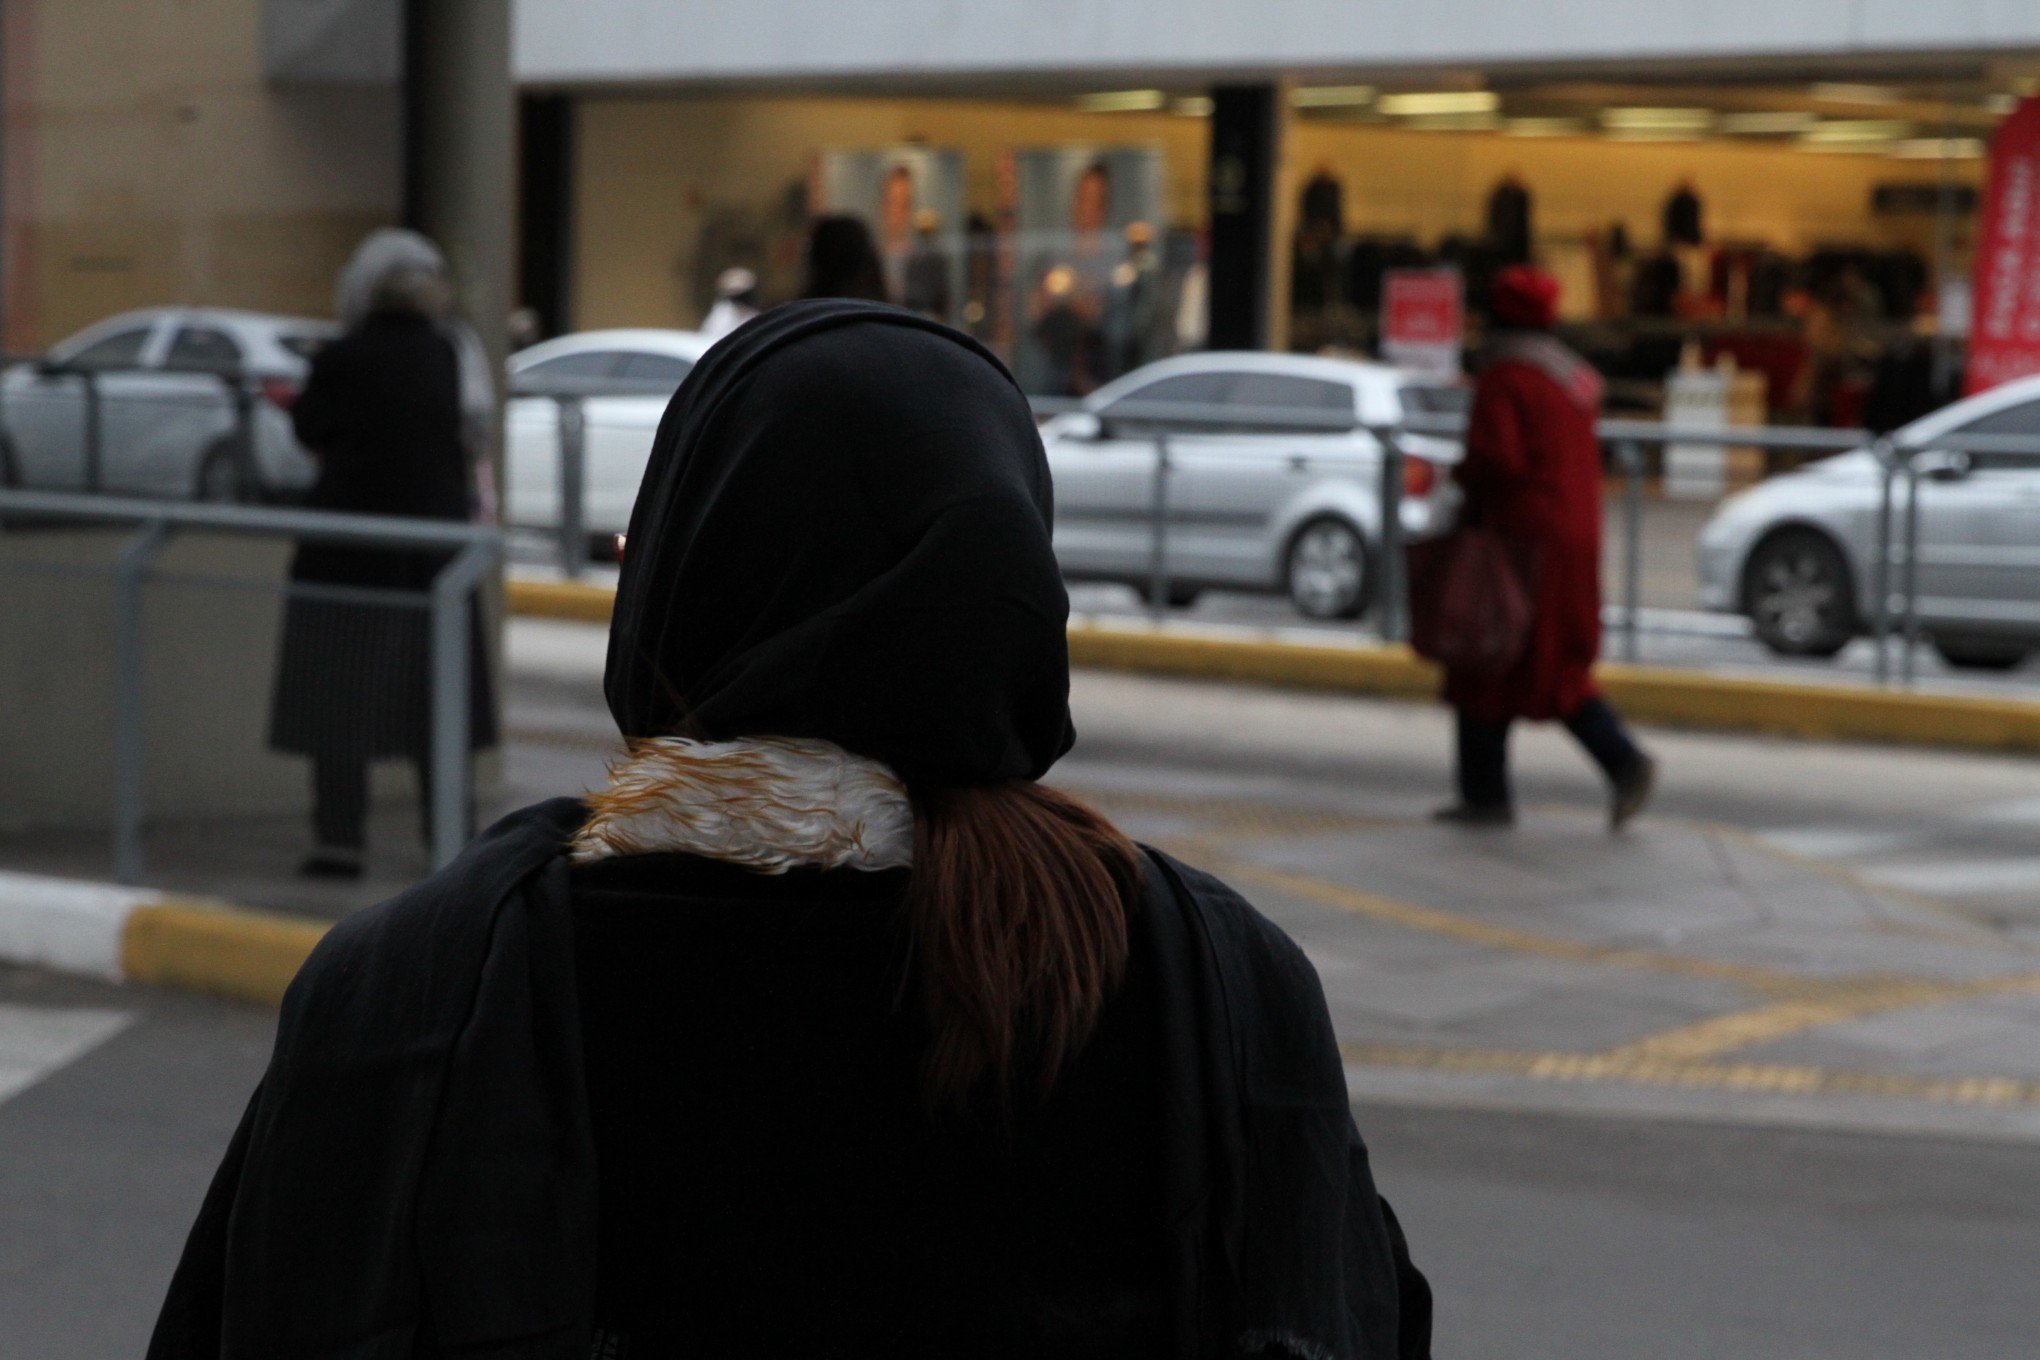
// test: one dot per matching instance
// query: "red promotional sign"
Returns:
(1423, 319)
(2004, 332)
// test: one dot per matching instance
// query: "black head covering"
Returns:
(844, 533)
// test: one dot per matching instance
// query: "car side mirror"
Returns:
(1085, 425)
(1946, 465)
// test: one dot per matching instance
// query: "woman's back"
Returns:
(770, 1180)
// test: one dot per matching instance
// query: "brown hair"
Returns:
(1017, 917)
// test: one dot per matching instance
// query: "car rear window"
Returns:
(304, 344)
(1436, 401)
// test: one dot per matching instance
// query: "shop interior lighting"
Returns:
(1432, 103)
(1759, 124)
(1452, 122)
(1654, 134)
(1939, 148)
(1840, 93)
(1855, 131)
(1332, 96)
(1122, 101)
(1637, 118)
(1543, 127)
(2000, 103)
(1192, 106)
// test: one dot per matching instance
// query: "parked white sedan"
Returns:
(172, 383)
(621, 380)
(1248, 507)
(1796, 553)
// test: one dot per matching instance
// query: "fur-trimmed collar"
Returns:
(767, 803)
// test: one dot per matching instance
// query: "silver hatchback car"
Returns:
(1248, 508)
(1795, 553)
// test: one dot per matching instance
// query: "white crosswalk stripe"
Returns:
(38, 1040)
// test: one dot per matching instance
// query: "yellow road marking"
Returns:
(1782, 1079)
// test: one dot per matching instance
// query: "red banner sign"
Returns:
(1423, 319)
(2004, 328)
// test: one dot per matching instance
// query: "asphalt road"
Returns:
(1560, 1237)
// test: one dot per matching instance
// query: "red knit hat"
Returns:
(1525, 296)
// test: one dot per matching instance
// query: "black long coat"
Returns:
(465, 1112)
(381, 413)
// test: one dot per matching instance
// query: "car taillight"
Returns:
(1419, 476)
(279, 392)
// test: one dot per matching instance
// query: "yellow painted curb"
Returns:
(204, 947)
(575, 600)
(1646, 693)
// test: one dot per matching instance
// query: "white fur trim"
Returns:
(767, 803)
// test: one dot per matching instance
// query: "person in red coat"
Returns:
(1532, 474)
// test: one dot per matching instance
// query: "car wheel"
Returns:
(219, 477)
(1983, 654)
(1798, 594)
(1326, 570)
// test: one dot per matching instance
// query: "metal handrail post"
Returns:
(94, 471)
(454, 595)
(1629, 453)
(1880, 566)
(1909, 643)
(1392, 613)
(129, 572)
(572, 415)
(247, 478)
(1158, 532)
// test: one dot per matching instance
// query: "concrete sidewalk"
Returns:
(1753, 951)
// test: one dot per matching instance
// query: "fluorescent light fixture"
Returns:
(1939, 149)
(1332, 96)
(1837, 131)
(1840, 93)
(1543, 127)
(1428, 103)
(1654, 135)
(1192, 106)
(2001, 103)
(1641, 119)
(1758, 124)
(1122, 101)
(1452, 122)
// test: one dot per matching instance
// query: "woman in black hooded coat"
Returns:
(668, 1072)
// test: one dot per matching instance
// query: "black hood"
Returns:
(843, 533)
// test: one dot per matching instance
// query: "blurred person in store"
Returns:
(925, 288)
(1532, 475)
(824, 1028)
(736, 301)
(387, 412)
(842, 262)
(1072, 283)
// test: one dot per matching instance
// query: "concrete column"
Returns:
(460, 136)
(1246, 124)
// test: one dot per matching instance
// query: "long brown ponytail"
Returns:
(1017, 913)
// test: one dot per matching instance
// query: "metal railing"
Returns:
(475, 550)
(242, 390)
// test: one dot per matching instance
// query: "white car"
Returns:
(1796, 553)
(1248, 507)
(622, 380)
(172, 383)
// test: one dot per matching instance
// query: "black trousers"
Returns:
(1484, 751)
(340, 802)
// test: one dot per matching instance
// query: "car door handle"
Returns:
(1298, 463)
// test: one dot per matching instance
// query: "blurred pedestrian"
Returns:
(842, 262)
(824, 1028)
(736, 301)
(1532, 475)
(382, 413)
(928, 268)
